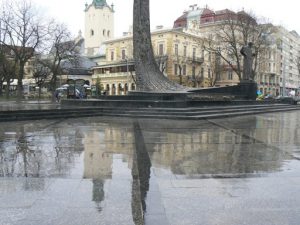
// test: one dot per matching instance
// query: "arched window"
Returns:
(104, 32)
(132, 86)
(125, 88)
(92, 32)
(113, 89)
(108, 33)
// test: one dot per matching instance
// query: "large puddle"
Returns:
(112, 171)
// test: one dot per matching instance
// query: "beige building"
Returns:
(183, 56)
(278, 65)
(179, 54)
(99, 25)
(279, 68)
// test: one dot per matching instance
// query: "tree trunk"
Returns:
(1, 88)
(20, 79)
(148, 75)
(40, 91)
(7, 90)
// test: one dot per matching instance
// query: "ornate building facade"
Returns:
(179, 55)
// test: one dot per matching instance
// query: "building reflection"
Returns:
(237, 148)
(100, 146)
(248, 146)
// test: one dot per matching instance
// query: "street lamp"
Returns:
(127, 67)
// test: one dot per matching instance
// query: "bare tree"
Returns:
(8, 70)
(180, 62)
(63, 50)
(234, 32)
(8, 63)
(40, 73)
(296, 62)
(215, 69)
(161, 62)
(24, 33)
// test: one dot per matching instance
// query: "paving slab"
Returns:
(243, 170)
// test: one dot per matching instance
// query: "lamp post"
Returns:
(127, 67)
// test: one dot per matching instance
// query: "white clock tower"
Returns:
(99, 25)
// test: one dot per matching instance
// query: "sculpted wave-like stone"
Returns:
(148, 75)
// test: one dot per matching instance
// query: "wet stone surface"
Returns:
(243, 170)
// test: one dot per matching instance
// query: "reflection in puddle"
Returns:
(209, 150)
(106, 166)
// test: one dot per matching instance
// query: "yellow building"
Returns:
(179, 54)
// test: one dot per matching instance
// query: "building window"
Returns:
(202, 53)
(112, 55)
(194, 54)
(176, 49)
(208, 73)
(123, 54)
(202, 72)
(229, 74)
(193, 71)
(104, 32)
(92, 32)
(175, 69)
(161, 49)
(184, 70)
(184, 51)
(108, 33)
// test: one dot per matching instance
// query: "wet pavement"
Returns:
(28, 105)
(242, 170)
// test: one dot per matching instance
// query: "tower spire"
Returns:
(100, 3)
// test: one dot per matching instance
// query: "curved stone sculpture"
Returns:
(148, 76)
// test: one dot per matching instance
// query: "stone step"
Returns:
(198, 113)
(220, 114)
(187, 112)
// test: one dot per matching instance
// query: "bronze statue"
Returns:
(246, 51)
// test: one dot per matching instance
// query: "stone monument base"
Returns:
(245, 90)
(244, 93)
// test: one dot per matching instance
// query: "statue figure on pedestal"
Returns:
(246, 51)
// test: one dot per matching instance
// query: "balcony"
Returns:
(111, 75)
(198, 60)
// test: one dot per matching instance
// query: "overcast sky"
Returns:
(164, 12)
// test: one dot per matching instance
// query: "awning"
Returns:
(25, 82)
(14, 83)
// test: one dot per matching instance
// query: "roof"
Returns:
(293, 32)
(224, 11)
(195, 13)
(207, 12)
(99, 4)
(10, 50)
